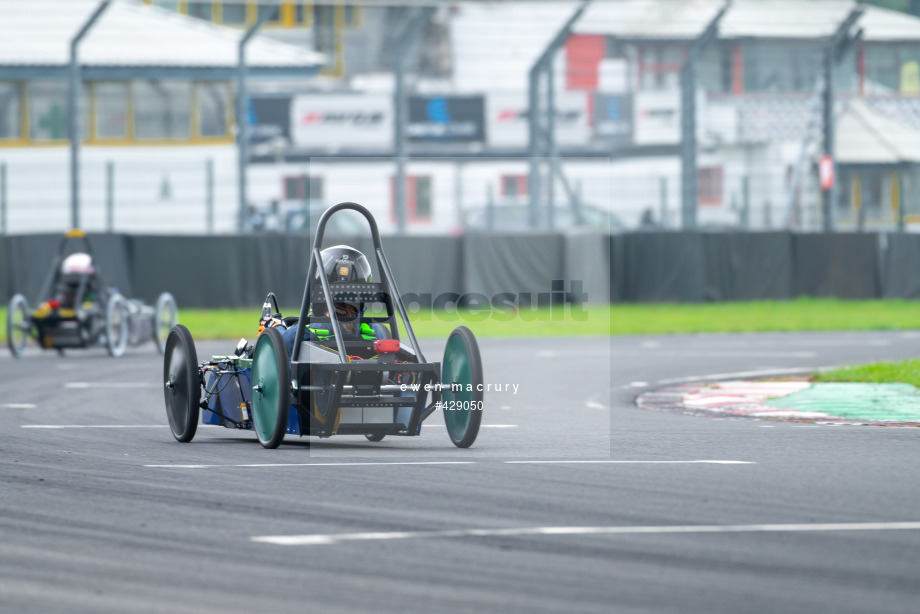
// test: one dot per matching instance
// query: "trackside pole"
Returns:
(110, 196)
(242, 119)
(2, 199)
(209, 194)
(73, 128)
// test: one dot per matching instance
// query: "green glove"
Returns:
(321, 333)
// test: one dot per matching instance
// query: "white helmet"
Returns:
(78, 263)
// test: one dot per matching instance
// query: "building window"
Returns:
(233, 14)
(213, 109)
(327, 36)
(660, 66)
(271, 13)
(303, 187)
(110, 108)
(352, 16)
(770, 66)
(419, 198)
(201, 10)
(892, 68)
(10, 111)
(420, 204)
(162, 109)
(48, 111)
(709, 186)
(514, 186)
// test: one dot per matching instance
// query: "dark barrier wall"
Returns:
(231, 271)
(661, 267)
(515, 264)
(837, 265)
(587, 260)
(901, 266)
(750, 266)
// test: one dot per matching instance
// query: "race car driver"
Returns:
(340, 263)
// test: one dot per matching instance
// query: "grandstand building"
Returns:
(316, 140)
(156, 116)
(618, 108)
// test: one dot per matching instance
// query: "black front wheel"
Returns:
(271, 388)
(462, 387)
(182, 384)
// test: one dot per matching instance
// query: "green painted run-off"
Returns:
(872, 402)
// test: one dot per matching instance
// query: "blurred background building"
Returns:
(515, 115)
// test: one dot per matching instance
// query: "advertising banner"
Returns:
(446, 119)
(333, 121)
(657, 118)
(613, 119)
(508, 114)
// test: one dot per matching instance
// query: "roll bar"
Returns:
(316, 264)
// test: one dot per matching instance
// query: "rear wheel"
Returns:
(182, 384)
(18, 325)
(462, 389)
(165, 317)
(271, 388)
(116, 325)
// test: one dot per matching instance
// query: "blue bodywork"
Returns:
(229, 396)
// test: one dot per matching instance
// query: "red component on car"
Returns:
(386, 346)
(53, 304)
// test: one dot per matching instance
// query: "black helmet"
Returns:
(344, 263)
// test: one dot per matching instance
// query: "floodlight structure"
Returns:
(73, 95)
(688, 144)
(542, 149)
(840, 42)
(242, 120)
(406, 43)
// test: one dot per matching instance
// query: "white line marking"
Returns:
(111, 385)
(634, 462)
(765, 426)
(638, 384)
(314, 464)
(334, 538)
(741, 354)
(18, 405)
(594, 405)
(737, 374)
(498, 426)
(99, 426)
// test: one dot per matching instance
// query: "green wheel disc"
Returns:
(462, 394)
(271, 388)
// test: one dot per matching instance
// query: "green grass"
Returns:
(906, 371)
(620, 319)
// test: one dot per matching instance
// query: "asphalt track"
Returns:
(112, 515)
